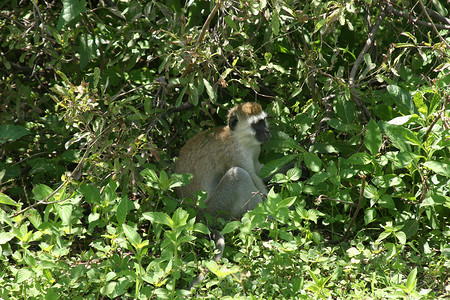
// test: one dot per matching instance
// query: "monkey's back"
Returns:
(207, 162)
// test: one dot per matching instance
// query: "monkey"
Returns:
(224, 162)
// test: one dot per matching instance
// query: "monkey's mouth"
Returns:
(263, 137)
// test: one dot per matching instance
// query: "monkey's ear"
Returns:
(233, 121)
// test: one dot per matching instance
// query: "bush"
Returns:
(98, 98)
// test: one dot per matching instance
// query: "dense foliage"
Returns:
(97, 97)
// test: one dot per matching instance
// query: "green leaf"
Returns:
(396, 135)
(318, 178)
(401, 120)
(369, 215)
(35, 217)
(403, 99)
(71, 9)
(202, 228)
(96, 76)
(320, 24)
(286, 202)
(371, 192)
(312, 161)
(294, 174)
(185, 239)
(180, 96)
(386, 201)
(410, 228)
(159, 217)
(6, 237)
(411, 281)
(419, 102)
(281, 140)
(193, 93)
(180, 217)
(150, 175)
(373, 138)
(90, 193)
(108, 289)
(11, 133)
(345, 109)
(41, 192)
(209, 90)
(5, 199)
(230, 227)
(124, 207)
(132, 236)
(65, 213)
(273, 166)
(438, 167)
(267, 57)
(231, 23)
(401, 236)
(275, 22)
(220, 272)
(23, 275)
(401, 135)
(384, 235)
(360, 158)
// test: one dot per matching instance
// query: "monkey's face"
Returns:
(261, 129)
(248, 124)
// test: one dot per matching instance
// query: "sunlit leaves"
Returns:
(403, 99)
(5, 199)
(373, 139)
(10, 133)
(72, 9)
(440, 167)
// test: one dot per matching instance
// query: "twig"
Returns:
(202, 35)
(74, 174)
(415, 20)
(438, 16)
(42, 201)
(366, 47)
(444, 119)
(358, 61)
(321, 197)
(444, 107)
(358, 207)
(361, 105)
(432, 24)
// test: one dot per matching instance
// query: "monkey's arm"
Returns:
(259, 183)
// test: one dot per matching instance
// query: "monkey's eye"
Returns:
(260, 124)
(233, 122)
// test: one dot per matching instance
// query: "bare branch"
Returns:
(415, 20)
(433, 25)
(202, 34)
(358, 207)
(366, 47)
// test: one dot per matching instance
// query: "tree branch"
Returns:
(433, 25)
(358, 61)
(366, 47)
(202, 34)
(358, 207)
(414, 20)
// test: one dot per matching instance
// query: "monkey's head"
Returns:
(248, 120)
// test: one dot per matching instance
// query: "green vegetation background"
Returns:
(97, 97)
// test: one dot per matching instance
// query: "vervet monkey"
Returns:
(224, 162)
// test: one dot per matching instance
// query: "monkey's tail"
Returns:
(220, 245)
